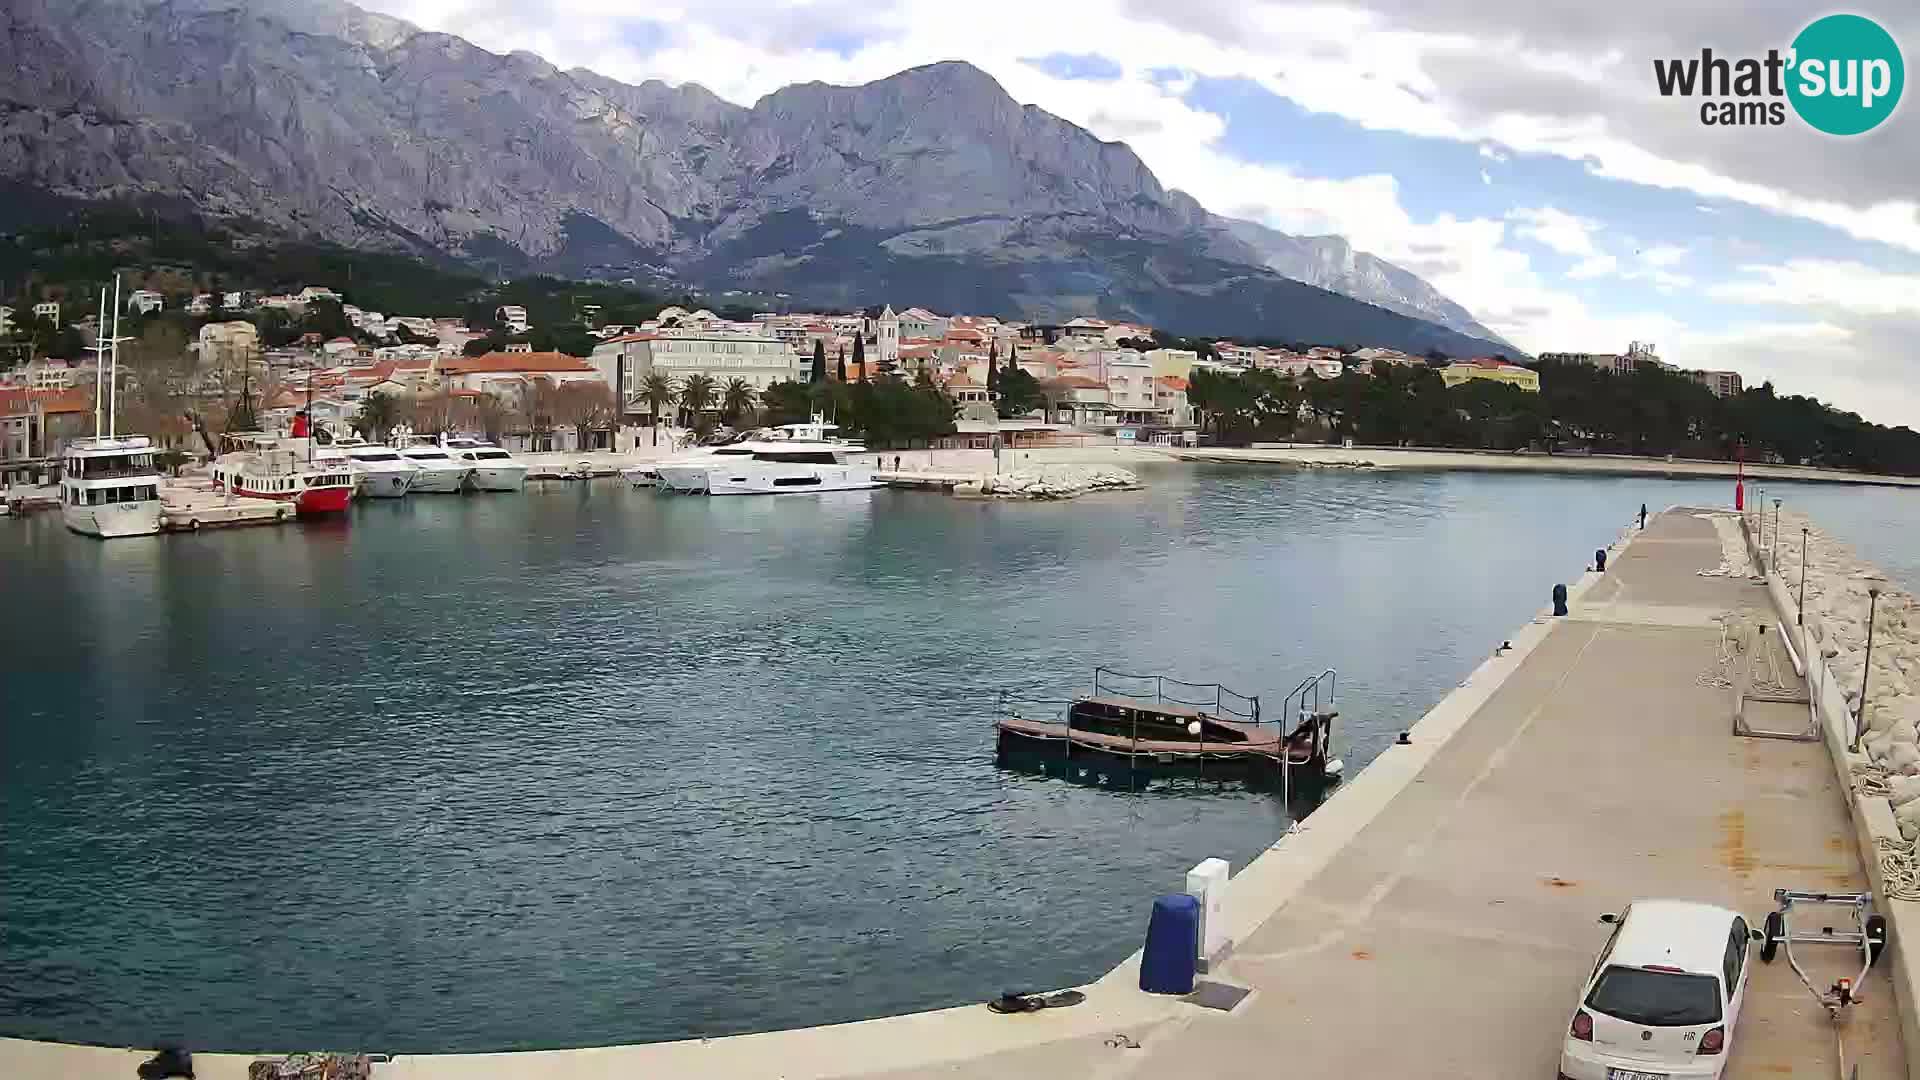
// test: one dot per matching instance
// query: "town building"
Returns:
(35, 426)
(1170, 399)
(506, 374)
(1722, 383)
(145, 301)
(1493, 369)
(48, 310)
(225, 344)
(512, 318)
(886, 337)
(756, 358)
(918, 322)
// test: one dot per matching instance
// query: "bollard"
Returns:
(1207, 883)
(1173, 944)
(1643, 515)
(1559, 599)
(1600, 560)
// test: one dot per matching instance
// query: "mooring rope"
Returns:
(1718, 675)
(1898, 868)
(1870, 780)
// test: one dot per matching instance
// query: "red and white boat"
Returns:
(315, 478)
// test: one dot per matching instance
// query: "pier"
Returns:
(1438, 915)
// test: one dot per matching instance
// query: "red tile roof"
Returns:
(502, 363)
(19, 402)
(1171, 382)
(1080, 381)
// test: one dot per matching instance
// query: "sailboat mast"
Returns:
(99, 363)
(113, 369)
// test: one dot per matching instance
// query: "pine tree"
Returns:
(819, 372)
(840, 365)
(860, 356)
(993, 368)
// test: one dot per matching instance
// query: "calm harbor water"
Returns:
(591, 765)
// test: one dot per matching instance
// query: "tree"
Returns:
(1019, 394)
(696, 396)
(378, 415)
(993, 370)
(736, 401)
(587, 405)
(786, 402)
(860, 356)
(658, 391)
(840, 365)
(432, 414)
(490, 414)
(538, 398)
(159, 353)
(819, 372)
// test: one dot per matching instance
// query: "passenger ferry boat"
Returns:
(109, 486)
(794, 458)
(316, 479)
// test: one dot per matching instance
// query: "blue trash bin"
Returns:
(1173, 944)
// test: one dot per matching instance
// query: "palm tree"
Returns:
(696, 395)
(657, 389)
(378, 414)
(736, 401)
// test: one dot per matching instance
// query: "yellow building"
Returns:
(1496, 370)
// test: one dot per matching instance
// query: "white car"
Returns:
(1662, 1000)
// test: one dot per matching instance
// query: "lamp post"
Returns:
(1860, 717)
(1801, 619)
(1776, 536)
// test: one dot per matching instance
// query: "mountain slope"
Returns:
(930, 186)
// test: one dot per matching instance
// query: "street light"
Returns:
(1801, 619)
(1776, 536)
(1860, 717)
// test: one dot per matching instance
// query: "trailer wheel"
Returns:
(1876, 937)
(1774, 928)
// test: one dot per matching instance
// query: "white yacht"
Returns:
(379, 472)
(438, 473)
(493, 468)
(108, 484)
(792, 458)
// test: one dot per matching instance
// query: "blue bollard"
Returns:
(1559, 599)
(1173, 945)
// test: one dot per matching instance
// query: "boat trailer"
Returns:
(1868, 934)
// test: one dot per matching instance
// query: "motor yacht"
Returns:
(787, 460)
(493, 468)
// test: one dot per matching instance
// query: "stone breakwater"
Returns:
(1052, 482)
(1836, 618)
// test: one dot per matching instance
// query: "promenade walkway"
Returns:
(1437, 917)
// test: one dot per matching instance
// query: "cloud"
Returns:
(1486, 179)
(1663, 255)
(1492, 154)
(1597, 266)
(1824, 284)
(1557, 230)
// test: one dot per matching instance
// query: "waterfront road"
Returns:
(1436, 918)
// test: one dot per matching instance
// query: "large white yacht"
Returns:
(792, 458)
(108, 484)
(379, 472)
(493, 468)
(437, 471)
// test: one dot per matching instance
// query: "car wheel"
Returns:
(1876, 937)
(1774, 928)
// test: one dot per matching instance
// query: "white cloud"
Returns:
(1663, 255)
(1824, 284)
(1491, 154)
(1597, 266)
(1486, 179)
(1557, 230)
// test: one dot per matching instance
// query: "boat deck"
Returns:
(1256, 743)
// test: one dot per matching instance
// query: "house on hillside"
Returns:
(145, 301)
(1491, 368)
(35, 427)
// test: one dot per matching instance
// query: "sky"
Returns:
(1515, 153)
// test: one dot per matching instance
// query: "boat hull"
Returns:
(439, 481)
(796, 480)
(324, 500)
(498, 478)
(114, 520)
(384, 485)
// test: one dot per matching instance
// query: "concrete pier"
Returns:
(1438, 915)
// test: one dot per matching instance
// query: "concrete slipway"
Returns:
(1437, 916)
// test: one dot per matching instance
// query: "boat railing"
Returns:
(1316, 693)
(1221, 702)
(119, 473)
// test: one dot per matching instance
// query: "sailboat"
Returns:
(109, 485)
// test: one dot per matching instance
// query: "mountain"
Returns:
(930, 187)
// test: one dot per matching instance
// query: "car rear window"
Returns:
(1656, 998)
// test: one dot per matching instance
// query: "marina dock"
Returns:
(1437, 916)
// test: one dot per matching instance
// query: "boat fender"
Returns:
(194, 524)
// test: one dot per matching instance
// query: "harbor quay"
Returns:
(1439, 914)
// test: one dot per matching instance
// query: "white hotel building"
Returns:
(759, 359)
